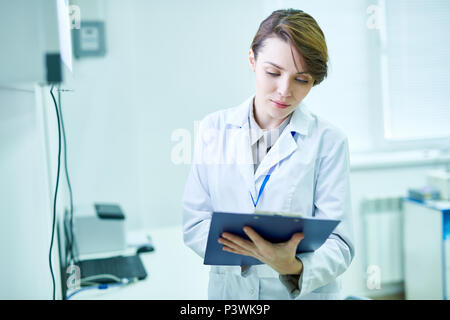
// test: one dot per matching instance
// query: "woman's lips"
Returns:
(280, 104)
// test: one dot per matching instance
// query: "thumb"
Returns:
(295, 239)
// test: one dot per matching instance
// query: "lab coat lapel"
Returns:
(246, 167)
(282, 149)
(244, 159)
(286, 144)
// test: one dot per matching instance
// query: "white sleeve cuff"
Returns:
(245, 271)
(293, 283)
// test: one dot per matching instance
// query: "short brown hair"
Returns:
(303, 32)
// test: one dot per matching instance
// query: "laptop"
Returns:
(128, 267)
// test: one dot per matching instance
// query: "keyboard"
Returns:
(129, 267)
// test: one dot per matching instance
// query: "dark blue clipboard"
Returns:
(274, 228)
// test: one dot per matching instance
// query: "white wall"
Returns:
(26, 200)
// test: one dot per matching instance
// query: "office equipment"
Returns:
(140, 242)
(440, 180)
(274, 228)
(423, 194)
(145, 249)
(122, 267)
(165, 272)
(127, 265)
(99, 228)
(426, 246)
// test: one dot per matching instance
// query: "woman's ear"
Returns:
(251, 59)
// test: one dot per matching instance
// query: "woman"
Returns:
(307, 159)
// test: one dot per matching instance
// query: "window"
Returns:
(415, 69)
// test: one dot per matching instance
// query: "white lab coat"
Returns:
(311, 179)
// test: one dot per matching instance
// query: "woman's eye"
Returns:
(273, 74)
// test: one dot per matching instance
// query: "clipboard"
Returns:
(274, 228)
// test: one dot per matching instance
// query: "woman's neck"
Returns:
(264, 120)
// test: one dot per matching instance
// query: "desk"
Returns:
(427, 250)
(175, 272)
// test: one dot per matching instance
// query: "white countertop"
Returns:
(440, 205)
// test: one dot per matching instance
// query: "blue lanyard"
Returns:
(263, 185)
(266, 179)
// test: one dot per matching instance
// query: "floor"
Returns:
(396, 296)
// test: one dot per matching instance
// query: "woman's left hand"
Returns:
(280, 256)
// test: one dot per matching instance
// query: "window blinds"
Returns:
(416, 77)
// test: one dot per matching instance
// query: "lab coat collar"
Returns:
(301, 122)
(283, 148)
(256, 132)
(239, 116)
(301, 119)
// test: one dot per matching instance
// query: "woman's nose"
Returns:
(284, 88)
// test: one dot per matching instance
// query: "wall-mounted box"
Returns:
(89, 40)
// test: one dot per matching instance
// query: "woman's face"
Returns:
(281, 81)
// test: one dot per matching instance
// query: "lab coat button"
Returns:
(252, 292)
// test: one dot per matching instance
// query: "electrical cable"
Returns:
(101, 286)
(101, 276)
(71, 240)
(56, 194)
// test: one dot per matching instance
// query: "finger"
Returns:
(235, 248)
(232, 245)
(255, 237)
(244, 243)
(237, 251)
(253, 254)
